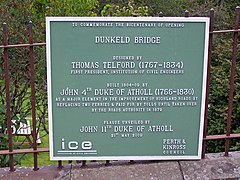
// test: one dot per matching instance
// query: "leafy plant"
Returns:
(126, 10)
(3, 135)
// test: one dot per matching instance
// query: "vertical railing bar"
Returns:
(210, 44)
(33, 97)
(233, 69)
(8, 99)
(186, 13)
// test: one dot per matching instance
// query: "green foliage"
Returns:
(4, 159)
(3, 135)
(219, 91)
(167, 7)
(44, 8)
(126, 10)
(220, 79)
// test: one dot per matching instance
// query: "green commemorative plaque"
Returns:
(126, 88)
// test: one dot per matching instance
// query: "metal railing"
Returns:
(235, 31)
(35, 150)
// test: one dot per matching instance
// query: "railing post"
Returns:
(233, 69)
(210, 43)
(8, 99)
(33, 97)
